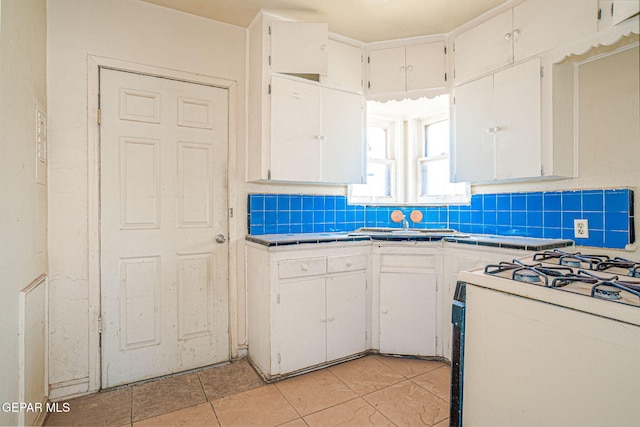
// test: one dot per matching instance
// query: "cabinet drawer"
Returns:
(336, 264)
(302, 267)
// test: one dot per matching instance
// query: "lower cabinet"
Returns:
(321, 320)
(306, 306)
(407, 280)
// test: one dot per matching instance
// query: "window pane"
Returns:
(377, 142)
(378, 179)
(435, 177)
(437, 139)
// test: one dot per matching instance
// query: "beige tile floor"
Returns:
(370, 391)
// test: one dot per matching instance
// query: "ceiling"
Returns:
(364, 20)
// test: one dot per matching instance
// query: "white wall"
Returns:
(23, 215)
(132, 31)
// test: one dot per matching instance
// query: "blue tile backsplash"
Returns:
(610, 214)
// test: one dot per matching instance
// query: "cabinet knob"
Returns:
(331, 318)
(349, 263)
(410, 68)
(304, 267)
(516, 33)
(385, 311)
(323, 47)
(323, 319)
(402, 69)
(507, 36)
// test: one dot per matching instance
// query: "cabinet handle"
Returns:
(516, 33)
(331, 318)
(507, 36)
(304, 268)
(385, 311)
(410, 68)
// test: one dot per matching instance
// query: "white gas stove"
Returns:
(550, 339)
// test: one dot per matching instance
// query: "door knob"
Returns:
(220, 238)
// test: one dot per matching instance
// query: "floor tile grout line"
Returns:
(287, 400)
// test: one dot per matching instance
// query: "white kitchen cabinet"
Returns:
(299, 47)
(522, 32)
(407, 68)
(498, 126)
(316, 133)
(345, 67)
(406, 279)
(623, 9)
(306, 305)
(304, 126)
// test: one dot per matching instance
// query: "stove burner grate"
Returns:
(632, 267)
(571, 259)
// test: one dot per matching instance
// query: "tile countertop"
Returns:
(510, 242)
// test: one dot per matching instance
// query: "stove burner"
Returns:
(526, 275)
(607, 293)
(632, 267)
(530, 273)
(571, 259)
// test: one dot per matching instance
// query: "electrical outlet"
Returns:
(581, 228)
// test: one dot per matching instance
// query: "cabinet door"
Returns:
(299, 47)
(387, 70)
(408, 313)
(346, 315)
(542, 25)
(295, 130)
(484, 48)
(425, 66)
(342, 144)
(474, 143)
(624, 9)
(517, 117)
(302, 324)
(345, 67)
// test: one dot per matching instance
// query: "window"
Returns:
(408, 155)
(381, 164)
(434, 177)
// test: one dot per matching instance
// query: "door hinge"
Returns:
(541, 170)
(365, 336)
(445, 50)
(99, 116)
(445, 77)
(369, 84)
(269, 174)
(599, 14)
(361, 57)
(279, 358)
(541, 72)
(269, 88)
(368, 60)
(269, 29)
(269, 60)
(278, 299)
(612, 8)
(100, 324)
(230, 212)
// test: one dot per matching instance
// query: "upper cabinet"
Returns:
(316, 133)
(305, 104)
(299, 48)
(526, 30)
(402, 69)
(498, 126)
(624, 9)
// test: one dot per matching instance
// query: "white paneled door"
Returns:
(164, 254)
